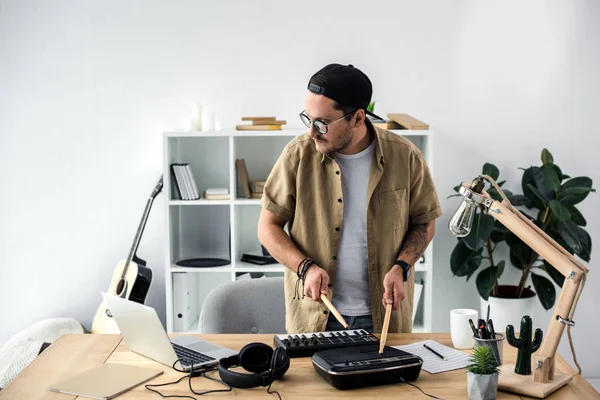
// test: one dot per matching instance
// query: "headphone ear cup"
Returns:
(256, 357)
(280, 363)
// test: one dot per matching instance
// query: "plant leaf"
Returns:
(485, 281)
(527, 181)
(576, 215)
(547, 157)
(540, 184)
(545, 290)
(464, 261)
(491, 170)
(520, 253)
(554, 273)
(569, 232)
(558, 172)
(521, 200)
(501, 183)
(559, 210)
(539, 196)
(480, 232)
(551, 180)
(586, 244)
(456, 188)
(575, 190)
(500, 267)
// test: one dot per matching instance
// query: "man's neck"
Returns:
(362, 139)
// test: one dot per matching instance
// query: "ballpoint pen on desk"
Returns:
(435, 352)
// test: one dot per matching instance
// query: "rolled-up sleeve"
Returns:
(424, 202)
(279, 193)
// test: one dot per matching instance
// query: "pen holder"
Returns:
(497, 346)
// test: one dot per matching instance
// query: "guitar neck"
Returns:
(138, 236)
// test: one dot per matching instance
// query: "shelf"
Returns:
(224, 268)
(241, 266)
(199, 202)
(283, 132)
(246, 202)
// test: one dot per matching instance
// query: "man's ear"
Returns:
(359, 117)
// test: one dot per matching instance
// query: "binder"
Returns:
(186, 303)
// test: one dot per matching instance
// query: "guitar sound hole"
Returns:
(120, 286)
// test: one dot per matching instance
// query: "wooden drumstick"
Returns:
(386, 326)
(333, 310)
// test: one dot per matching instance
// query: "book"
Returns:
(258, 127)
(192, 179)
(217, 191)
(105, 381)
(258, 118)
(244, 178)
(256, 195)
(408, 122)
(388, 125)
(268, 122)
(209, 196)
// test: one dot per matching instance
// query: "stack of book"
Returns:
(400, 121)
(216, 194)
(258, 258)
(185, 183)
(261, 124)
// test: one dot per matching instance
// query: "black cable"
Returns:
(201, 372)
(274, 391)
(413, 385)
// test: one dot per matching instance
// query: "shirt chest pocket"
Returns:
(393, 209)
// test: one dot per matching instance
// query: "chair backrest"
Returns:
(245, 306)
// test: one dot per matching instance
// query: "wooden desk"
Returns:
(72, 354)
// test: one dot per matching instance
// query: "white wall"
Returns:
(86, 88)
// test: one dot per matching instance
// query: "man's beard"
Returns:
(342, 144)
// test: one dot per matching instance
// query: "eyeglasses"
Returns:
(319, 125)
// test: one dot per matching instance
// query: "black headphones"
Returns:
(267, 366)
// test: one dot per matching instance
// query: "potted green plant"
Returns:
(482, 374)
(549, 200)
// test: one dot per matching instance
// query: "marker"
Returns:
(435, 352)
(490, 327)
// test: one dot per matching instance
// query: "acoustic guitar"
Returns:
(131, 278)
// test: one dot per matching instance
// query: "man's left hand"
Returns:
(393, 285)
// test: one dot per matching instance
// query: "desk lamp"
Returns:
(544, 381)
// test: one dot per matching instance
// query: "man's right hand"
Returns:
(316, 282)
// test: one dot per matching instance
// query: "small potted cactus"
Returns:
(482, 374)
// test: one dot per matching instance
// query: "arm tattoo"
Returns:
(415, 242)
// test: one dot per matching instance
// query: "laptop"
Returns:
(144, 334)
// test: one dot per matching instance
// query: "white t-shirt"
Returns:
(351, 295)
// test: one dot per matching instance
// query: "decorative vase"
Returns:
(506, 309)
(482, 387)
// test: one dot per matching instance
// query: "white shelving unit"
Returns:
(227, 228)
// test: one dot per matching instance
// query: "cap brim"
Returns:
(374, 115)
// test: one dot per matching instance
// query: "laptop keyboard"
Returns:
(190, 357)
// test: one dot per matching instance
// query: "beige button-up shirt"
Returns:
(305, 189)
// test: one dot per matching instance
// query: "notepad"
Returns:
(456, 359)
(105, 381)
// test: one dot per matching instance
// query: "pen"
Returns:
(435, 352)
(490, 326)
(483, 333)
(487, 318)
(473, 328)
(386, 325)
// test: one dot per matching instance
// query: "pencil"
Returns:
(386, 326)
(334, 311)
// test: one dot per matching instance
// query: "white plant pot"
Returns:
(482, 387)
(507, 311)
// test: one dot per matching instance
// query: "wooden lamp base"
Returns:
(524, 384)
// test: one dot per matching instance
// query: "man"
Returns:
(360, 205)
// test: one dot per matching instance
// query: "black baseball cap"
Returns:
(345, 84)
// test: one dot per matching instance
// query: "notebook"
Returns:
(105, 381)
(456, 359)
